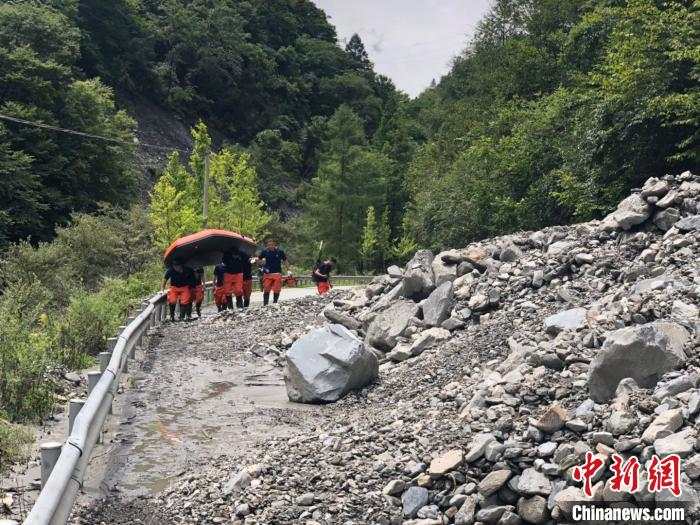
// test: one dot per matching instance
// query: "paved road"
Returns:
(292, 293)
(201, 390)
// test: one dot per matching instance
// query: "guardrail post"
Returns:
(104, 360)
(93, 378)
(49, 456)
(74, 406)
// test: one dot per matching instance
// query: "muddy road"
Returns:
(201, 390)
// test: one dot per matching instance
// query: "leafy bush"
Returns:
(27, 341)
(62, 300)
(14, 441)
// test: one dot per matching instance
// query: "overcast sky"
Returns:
(410, 41)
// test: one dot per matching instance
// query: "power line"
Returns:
(41, 125)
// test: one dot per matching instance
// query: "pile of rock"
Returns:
(501, 366)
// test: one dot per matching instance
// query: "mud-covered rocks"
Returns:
(630, 212)
(643, 353)
(391, 324)
(437, 307)
(419, 279)
(326, 364)
(572, 319)
(534, 372)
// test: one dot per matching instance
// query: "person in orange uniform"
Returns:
(198, 290)
(233, 278)
(272, 259)
(219, 288)
(322, 276)
(247, 280)
(181, 279)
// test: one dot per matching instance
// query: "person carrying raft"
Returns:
(233, 277)
(247, 279)
(180, 291)
(322, 275)
(198, 293)
(272, 259)
(219, 288)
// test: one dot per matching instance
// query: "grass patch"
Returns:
(14, 444)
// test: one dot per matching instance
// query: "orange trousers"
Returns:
(272, 282)
(247, 287)
(199, 294)
(323, 288)
(179, 293)
(233, 284)
(219, 296)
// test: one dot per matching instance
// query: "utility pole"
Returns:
(205, 191)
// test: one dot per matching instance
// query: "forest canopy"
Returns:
(554, 110)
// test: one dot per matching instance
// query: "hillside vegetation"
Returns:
(554, 111)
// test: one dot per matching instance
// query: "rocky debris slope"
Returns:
(501, 366)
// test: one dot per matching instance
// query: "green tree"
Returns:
(356, 49)
(370, 239)
(172, 210)
(350, 180)
(235, 202)
(39, 81)
(233, 199)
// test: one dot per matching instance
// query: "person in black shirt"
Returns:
(198, 292)
(322, 274)
(247, 280)
(181, 282)
(272, 259)
(219, 289)
(233, 277)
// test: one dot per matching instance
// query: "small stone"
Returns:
(394, 487)
(577, 425)
(547, 449)
(533, 510)
(478, 446)
(414, 499)
(494, 481)
(552, 419)
(445, 463)
(466, 513)
(306, 499)
(663, 425)
(429, 512)
(573, 319)
(532, 482)
(680, 443)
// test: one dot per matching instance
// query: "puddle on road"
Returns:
(204, 409)
(217, 388)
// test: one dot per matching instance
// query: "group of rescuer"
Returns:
(233, 280)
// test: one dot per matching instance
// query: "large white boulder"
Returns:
(643, 352)
(326, 364)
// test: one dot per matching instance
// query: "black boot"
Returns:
(199, 310)
(277, 297)
(183, 308)
(239, 302)
(172, 313)
(266, 298)
(246, 302)
(188, 312)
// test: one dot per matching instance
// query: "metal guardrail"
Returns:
(57, 496)
(62, 476)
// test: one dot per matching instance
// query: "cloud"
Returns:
(410, 41)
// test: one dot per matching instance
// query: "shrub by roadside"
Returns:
(57, 311)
